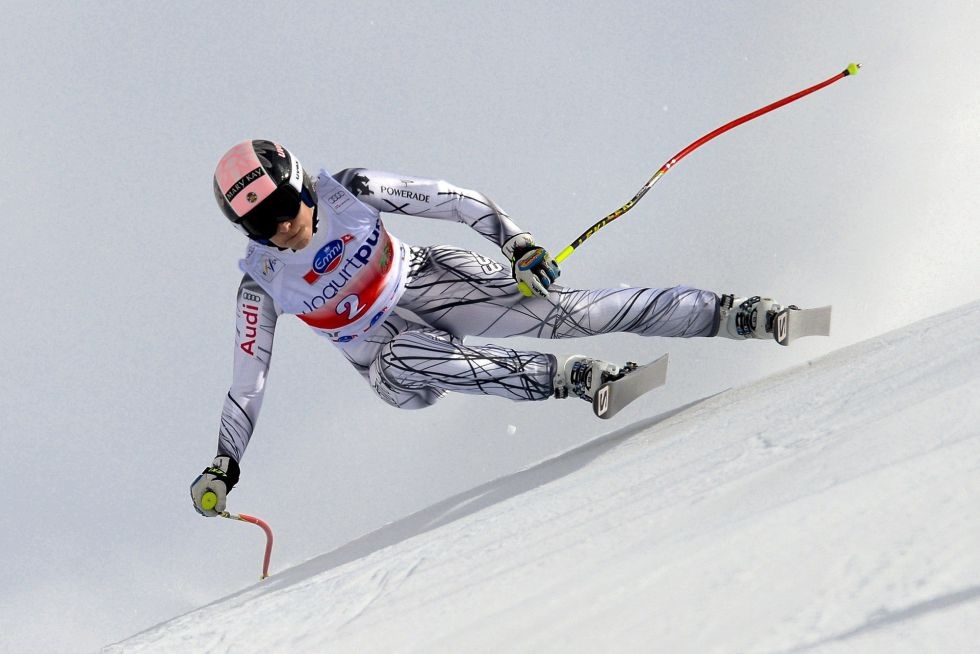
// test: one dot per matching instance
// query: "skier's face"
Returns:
(296, 234)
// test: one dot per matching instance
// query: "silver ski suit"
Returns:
(399, 313)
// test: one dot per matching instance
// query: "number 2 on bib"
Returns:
(351, 305)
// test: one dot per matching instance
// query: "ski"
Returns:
(791, 324)
(615, 395)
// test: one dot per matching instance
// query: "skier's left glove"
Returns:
(211, 488)
(531, 265)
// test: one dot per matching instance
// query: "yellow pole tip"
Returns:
(852, 69)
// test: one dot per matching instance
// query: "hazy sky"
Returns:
(121, 273)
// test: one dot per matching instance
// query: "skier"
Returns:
(318, 249)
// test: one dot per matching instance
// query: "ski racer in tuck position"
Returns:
(318, 249)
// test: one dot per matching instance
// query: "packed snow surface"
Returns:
(831, 508)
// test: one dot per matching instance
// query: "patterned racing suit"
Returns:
(399, 313)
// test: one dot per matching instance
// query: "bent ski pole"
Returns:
(851, 69)
(209, 500)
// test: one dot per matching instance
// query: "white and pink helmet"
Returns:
(259, 184)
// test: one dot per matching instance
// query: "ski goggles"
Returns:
(262, 222)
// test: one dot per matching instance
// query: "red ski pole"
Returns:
(851, 69)
(209, 500)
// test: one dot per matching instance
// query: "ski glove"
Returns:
(211, 488)
(531, 265)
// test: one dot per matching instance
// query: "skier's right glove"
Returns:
(210, 490)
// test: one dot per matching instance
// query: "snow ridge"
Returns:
(829, 508)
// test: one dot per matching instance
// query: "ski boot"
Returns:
(582, 376)
(751, 317)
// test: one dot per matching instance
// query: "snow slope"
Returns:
(831, 508)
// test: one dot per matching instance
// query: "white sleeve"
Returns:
(255, 328)
(417, 196)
